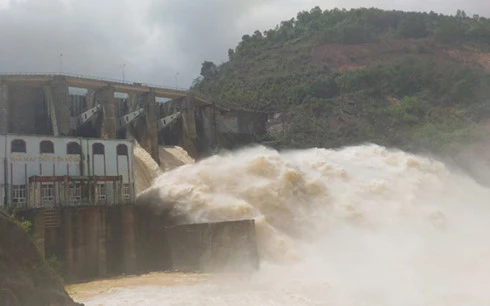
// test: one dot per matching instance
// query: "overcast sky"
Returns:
(161, 42)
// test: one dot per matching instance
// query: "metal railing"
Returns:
(89, 77)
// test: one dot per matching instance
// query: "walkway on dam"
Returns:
(89, 82)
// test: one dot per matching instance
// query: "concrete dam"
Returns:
(64, 105)
(67, 146)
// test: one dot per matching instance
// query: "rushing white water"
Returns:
(358, 226)
(147, 170)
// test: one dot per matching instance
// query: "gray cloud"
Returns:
(160, 42)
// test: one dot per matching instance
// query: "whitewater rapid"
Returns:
(362, 225)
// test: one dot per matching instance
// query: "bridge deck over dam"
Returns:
(94, 83)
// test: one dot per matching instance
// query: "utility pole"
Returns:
(177, 80)
(61, 62)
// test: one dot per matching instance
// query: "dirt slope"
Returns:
(25, 279)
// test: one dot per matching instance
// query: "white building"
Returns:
(48, 171)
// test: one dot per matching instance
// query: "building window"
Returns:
(18, 194)
(98, 148)
(75, 193)
(73, 148)
(100, 192)
(122, 149)
(46, 146)
(47, 193)
(126, 191)
(18, 146)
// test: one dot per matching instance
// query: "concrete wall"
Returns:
(152, 250)
(44, 109)
(89, 242)
(227, 123)
(98, 241)
(251, 123)
(204, 247)
(27, 110)
(213, 247)
(241, 122)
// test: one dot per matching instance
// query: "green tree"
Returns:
(209, 69)
(448, 31)
(231, 55)
(382, 91)
(413, 26)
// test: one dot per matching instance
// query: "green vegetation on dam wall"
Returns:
(417, 81)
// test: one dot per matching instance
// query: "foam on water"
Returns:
(358, 226)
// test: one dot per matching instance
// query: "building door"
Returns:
(123, 169)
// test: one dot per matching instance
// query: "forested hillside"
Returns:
(405, 79)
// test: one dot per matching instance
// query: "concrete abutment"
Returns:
(100, 241)
(89, 242)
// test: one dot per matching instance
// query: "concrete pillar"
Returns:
(189, 117)
(132, 101)
(209, 123)
(189, 125)
(147, 126)
(129, 239)
(61, 103)
(4, 108)
(90, 97)
(109, 124)
(151, 121)
(51, 110)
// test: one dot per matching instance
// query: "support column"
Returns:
(189, 125)
(90, 98)
(149, 135)
(51, 110)
(109, 124)
(132, 101)
(4, 108)
(61, 104)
